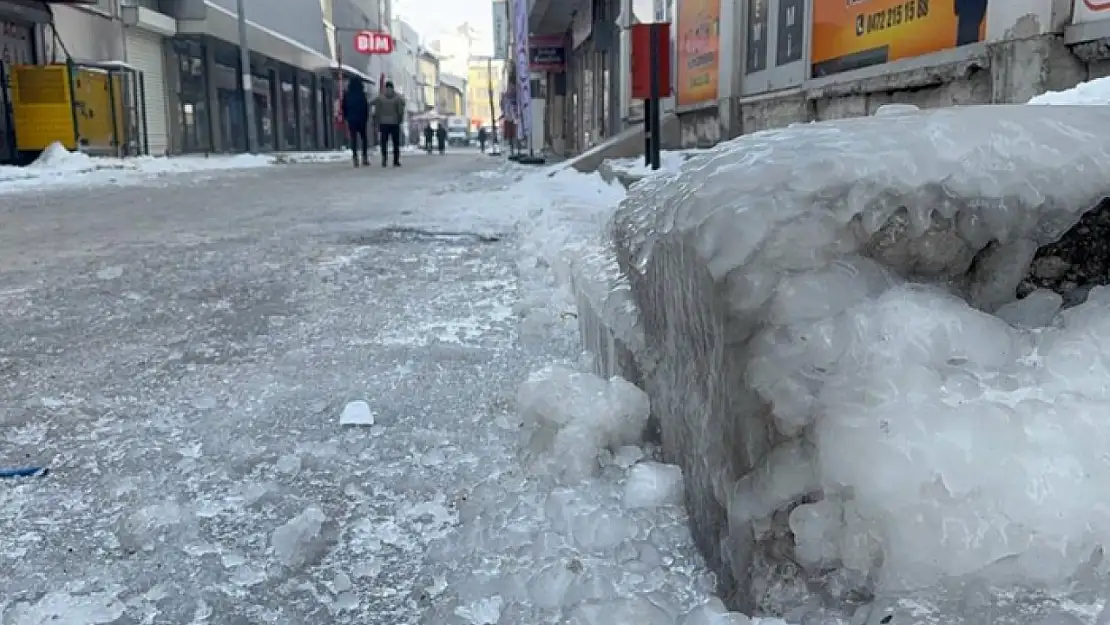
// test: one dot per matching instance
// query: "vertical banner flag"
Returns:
(523, 75)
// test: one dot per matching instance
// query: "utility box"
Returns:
(82, 107)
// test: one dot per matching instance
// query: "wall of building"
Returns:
(1021, 55)
(86, 33)
(402, 67)
(300, 20)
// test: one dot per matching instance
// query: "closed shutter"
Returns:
(144, 53)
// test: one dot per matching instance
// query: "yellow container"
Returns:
(86, 113)
(42, 109)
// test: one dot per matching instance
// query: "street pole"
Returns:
(492, 110)
(248, 82)
(342, 132)
(656, 93)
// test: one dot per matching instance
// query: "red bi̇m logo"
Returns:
(373, 42)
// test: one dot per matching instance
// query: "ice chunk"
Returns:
(601, 529)
(889, 110)
(652, 484)
(300, 541)
(627, 456)
(571, 416)
(918, 436)
(714, 612)
(1035, 310)
(356, 413)
(638, 610)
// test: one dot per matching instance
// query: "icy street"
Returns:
(178, 354)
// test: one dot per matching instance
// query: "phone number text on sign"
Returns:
(904, 13)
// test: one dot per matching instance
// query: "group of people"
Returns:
(440, 135)
(387, 111)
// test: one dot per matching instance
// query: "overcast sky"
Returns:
(430, 17)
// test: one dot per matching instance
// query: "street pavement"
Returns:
(177, 354)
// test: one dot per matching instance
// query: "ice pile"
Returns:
(824, 359)
(571, 417)
(1091, 93)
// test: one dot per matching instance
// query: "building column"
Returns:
(279, 109)
(215, 112)
(172, 66)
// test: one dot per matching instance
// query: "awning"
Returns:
(223, 24)
(348, 72)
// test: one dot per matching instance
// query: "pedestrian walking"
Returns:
(356, 112)
(482, 139)
(441, 138)
(428, 138)
(389, 112)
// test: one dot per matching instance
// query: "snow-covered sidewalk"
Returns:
(58, 167)
(190, 419)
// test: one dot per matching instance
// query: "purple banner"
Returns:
(521, 49)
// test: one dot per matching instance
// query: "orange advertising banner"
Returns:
(850, 34)
(698, 54)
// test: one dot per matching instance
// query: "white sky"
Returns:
(430, 17)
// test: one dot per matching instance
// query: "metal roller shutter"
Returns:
(144, 53)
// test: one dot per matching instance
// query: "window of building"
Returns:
(307, 114)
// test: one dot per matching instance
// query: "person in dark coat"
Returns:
(356, 112)
(428, 138)
(389, 112)
(969, 19)
(441, 138)
(482, 139)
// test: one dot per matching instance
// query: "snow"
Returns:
(1090, 93)
(356, 413)
(670, 161)
(925, 438)
(57, 167)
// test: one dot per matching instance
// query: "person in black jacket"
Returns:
(969, 19)
(441, 137)
(356, 112)
(428, 133)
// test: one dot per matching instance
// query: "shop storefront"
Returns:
(592, 106)
(294, 90)
(17, 47)
(294, 108)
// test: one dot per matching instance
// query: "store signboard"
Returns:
(861, 33)
(500, 29)
(698, 52)
(1086, 11)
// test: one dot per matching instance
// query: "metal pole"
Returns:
(248, 82)
(656, 91)
(492, 110)
(342, 131)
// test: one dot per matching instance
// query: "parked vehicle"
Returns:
(458, 131)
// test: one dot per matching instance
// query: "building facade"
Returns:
(483, 89)
(185, 57)
(427, 79)
(451, 94)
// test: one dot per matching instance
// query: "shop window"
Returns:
(288, 112)
(307, 115)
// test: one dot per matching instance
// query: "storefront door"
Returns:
(17, 47)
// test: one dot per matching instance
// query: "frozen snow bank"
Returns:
(1088, 93)
(57, 166)
(820, 352)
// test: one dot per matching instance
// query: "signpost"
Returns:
(651, 81)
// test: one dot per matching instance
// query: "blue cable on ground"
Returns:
(23, 472)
